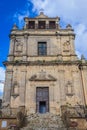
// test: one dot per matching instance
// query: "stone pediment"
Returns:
(42, 15)
(42, 76)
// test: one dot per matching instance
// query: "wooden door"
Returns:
(42, 99)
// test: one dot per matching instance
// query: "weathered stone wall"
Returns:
(44, 122)
(66, 88)
(26, 70)
(59, 70)
(26, 46)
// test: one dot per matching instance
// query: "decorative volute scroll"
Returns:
(66, 46)
(42, 76)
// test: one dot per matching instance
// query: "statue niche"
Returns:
(15, 89)
(18, 47)
(69, 89)
(66, 46)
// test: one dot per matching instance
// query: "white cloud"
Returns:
(2, 73)
(2, 78)
(1, 88)
(70, 11)
(81, 39)
(20, 14)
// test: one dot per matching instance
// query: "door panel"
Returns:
(42, 99)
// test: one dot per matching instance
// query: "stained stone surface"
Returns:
(59, 70)
(44, 122)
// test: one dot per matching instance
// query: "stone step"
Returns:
(46, 121)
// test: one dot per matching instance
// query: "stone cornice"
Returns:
(38, 62)
(36, 18)
(43, 32)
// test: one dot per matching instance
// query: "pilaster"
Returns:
(59, 47)
(61, 75)
(78, 91)
(72, 48)
(11, 50)
(8, 86)
(36, 24)
(47, 24)
(84, 80)
(25, 47)
(22, 88)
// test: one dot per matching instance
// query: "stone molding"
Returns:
(39, 62)
(47, 78)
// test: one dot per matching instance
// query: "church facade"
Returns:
(43, 72)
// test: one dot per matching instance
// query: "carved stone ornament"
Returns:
(42, 15)
(42, 76)
(66, 46)
(18, 46)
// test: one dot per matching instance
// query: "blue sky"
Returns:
(8, 10)
(70, 11)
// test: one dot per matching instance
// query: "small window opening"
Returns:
(41, 24)
(52, 24)
(42, 48)
(31, 25)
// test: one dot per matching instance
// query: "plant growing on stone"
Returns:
(66, 119)
(21, 119)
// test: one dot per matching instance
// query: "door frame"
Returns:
(42, 99)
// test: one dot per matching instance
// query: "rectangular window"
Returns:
(52, 24)
(42, 48)
(31, 25)
(41, 24)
